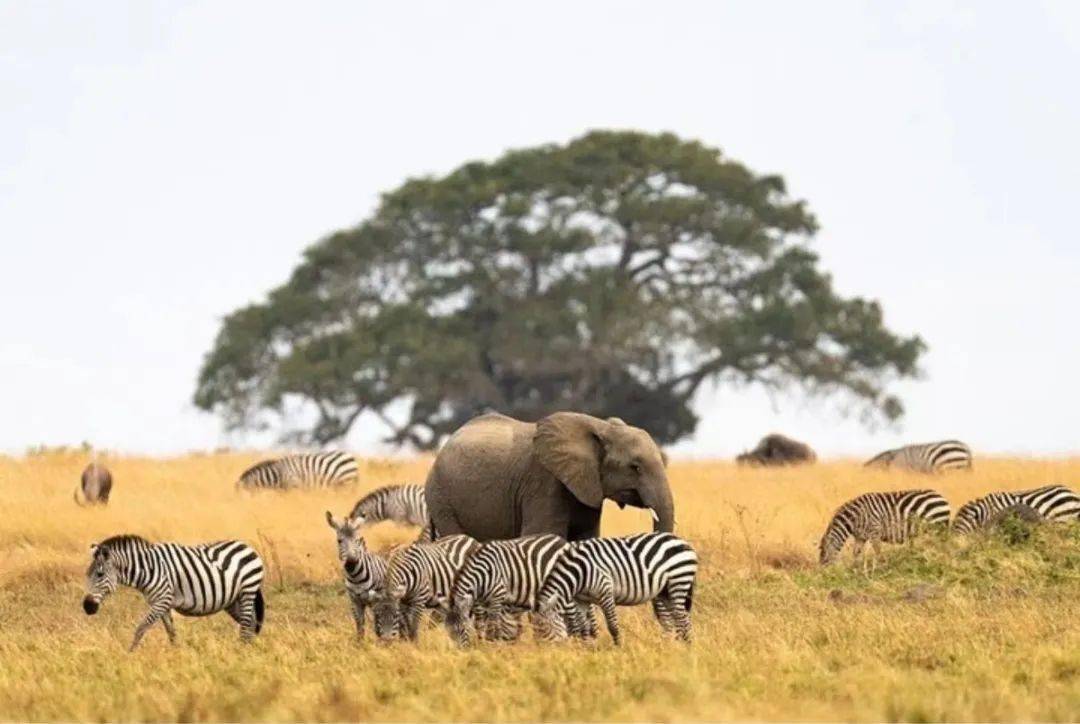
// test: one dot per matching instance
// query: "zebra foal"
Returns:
(364, 572)
(403, 504)
(192, 580)
(610, 572)
(501, 578)
(881, 517)
(930, 457)
(419, 576)
(1050, 502)
(313, 470)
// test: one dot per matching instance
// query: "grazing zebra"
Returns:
(192, 580)
(95, 484)
(314, 470)
(931, 457)
(881, 517)
(622, 572)
(419, 576)
(1050, 502)
(501, 577)
(400, 503)
(364, 572)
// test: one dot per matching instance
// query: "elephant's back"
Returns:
(474, 474)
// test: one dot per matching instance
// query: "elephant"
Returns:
(777, 450)
(498, 478)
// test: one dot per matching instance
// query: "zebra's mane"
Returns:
(120, 540)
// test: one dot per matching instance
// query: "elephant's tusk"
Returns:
(655, 517)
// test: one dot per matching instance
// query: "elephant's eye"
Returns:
(636, 467)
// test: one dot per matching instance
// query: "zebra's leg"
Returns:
(857, 550)
(682, 620)
(411, 621)
(358, 606)
(245, 609)
(167, 622)
(875, 543)
(606, 600)
(663, 610)
(158, 608)
(587, 616)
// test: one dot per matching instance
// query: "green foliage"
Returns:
(612, 275)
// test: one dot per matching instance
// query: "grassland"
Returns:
(981, 629)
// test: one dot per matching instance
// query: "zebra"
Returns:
(312, 470)
(400, 503)
(930, 457)
(192, 580)
(501, 577)
(419, 576)
(1050, 502)
(364, 572)
(881, 517)
(610, 572)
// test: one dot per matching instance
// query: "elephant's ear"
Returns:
(569, 446)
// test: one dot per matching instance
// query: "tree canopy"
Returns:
(612, 275)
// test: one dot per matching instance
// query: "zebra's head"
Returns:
(387, 611)
(101, 578)
(459, 621)
(549, 620)
(351, 545)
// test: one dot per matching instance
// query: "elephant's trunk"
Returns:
(663, 508)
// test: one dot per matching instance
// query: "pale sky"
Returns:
(162, 164)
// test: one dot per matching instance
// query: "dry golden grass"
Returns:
(996, 639)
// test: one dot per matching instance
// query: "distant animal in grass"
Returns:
(930, 457)
(95, 485)
(311, 470)
(775, 450)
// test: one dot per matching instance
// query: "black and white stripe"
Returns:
(313, 470)
(881, 518)
(501, 579)
(403, 504)
(930, 457)
(364, 571)
(1050, 502)
(610, 572)
(419, 576)
(192, 580)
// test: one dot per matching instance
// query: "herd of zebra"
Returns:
(483, 590)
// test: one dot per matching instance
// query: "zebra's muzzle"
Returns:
(90, 606)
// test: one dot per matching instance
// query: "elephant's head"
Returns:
(599, 459)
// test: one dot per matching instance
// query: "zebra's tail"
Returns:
(260, 610)
(690, 598)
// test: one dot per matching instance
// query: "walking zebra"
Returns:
(626, 571)
(400, 503)
(364, 572)
(419, 576)
(192, 580)
(930, 457)
(314, 470)
(1050, 502)
(881, 517)
(501, 578)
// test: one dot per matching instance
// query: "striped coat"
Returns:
(312, 470)
(882, 518)
(1050, 502)
(931, 457)
(191, 580)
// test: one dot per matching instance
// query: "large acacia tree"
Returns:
(612, 275)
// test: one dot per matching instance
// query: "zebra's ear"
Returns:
(330, 520)
(94, 548)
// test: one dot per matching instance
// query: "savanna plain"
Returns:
(980, 628)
